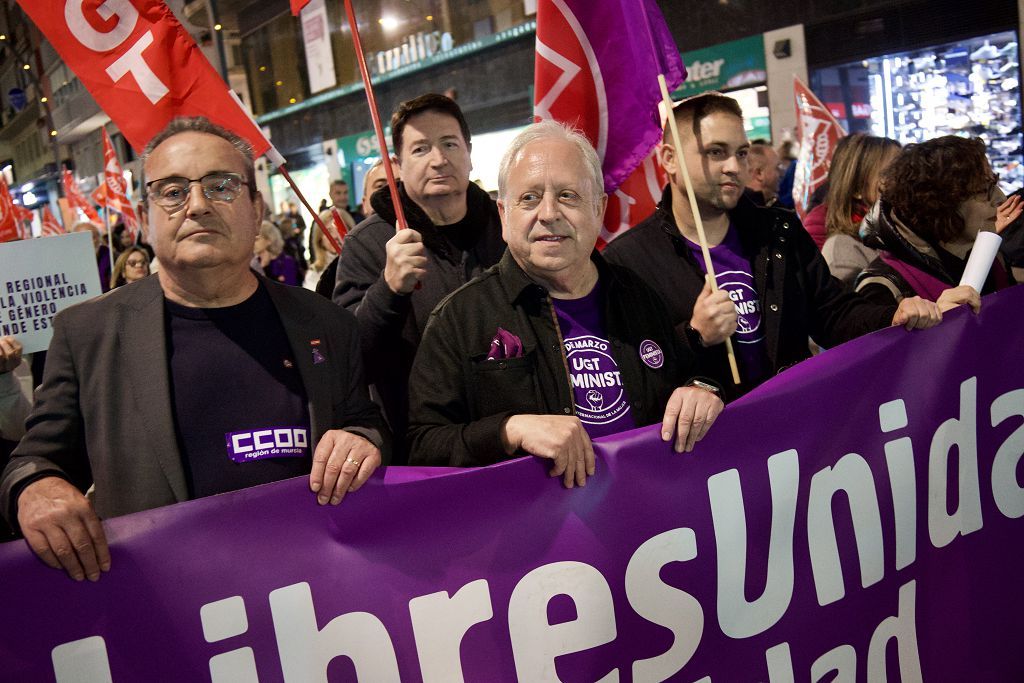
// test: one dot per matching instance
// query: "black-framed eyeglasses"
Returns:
(172, 193)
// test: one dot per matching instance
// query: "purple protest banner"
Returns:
(858, 514)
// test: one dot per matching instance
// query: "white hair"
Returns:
(551, 130)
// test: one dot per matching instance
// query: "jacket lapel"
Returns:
(302, 330)
(143, 341)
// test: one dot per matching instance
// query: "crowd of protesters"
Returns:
(461, 328)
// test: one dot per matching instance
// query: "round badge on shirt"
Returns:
(651, 354)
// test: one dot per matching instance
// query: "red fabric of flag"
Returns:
(117, 187)
(50, 224)
(140, 66)
(9, 229)
(818, 134)
(76, 200)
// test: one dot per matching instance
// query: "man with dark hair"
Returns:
(339, 193)
(392, 280)
(202, 379)
(775, 289)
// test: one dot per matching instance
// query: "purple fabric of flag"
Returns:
(603, 57)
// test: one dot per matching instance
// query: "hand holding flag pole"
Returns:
(681, 164)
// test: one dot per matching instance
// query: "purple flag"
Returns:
(597, 68)
(861, 514)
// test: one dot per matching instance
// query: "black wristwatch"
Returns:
(693, 336)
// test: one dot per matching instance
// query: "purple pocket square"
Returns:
(505, 345)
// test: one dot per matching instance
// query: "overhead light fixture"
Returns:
(3, 36)
(53, 133)
(388, 23)
(26, 67)
(217, 27)
(291, 100)
(44, 100)
(279, 83)
(263, 68)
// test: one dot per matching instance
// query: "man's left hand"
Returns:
(689, 414)
(342, 462)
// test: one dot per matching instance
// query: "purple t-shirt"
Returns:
(733, 274)
(602, 404)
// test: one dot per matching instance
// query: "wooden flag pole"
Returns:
(681, 165)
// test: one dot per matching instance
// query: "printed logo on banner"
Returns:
(272, 442)
(592, 367)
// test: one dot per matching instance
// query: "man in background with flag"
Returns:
(160, 391)
(762, 257)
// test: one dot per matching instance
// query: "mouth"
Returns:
(551, 239)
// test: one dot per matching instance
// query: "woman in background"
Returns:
(854, 179)
(131, 265)
(936, 197)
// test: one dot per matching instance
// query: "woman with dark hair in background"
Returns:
(936, 197)
(131, 265)
(853, 189)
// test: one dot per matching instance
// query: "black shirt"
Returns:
(240, 409)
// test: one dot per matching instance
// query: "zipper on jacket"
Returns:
(561, 353)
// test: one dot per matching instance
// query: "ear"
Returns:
(602, 205)
(667, 158)
(259, 208)
(504, 223)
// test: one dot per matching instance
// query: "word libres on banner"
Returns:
(842, 547)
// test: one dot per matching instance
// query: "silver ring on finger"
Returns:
(353, 461)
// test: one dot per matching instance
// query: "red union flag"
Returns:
(140, 65)
(9, 229)
(76, 200)
(50, 224)
(117, 186)
(818, 134)
(595, 69)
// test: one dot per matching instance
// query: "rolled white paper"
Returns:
(986, 245)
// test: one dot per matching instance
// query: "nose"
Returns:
(197, 203)
(547, 210)
(437, 156)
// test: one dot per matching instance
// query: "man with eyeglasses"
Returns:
(204, 379)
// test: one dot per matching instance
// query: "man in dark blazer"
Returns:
(201, 379)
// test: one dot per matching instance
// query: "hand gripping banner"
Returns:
(859, 517)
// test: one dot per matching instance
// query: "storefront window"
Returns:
(394, 34)
(971, 88)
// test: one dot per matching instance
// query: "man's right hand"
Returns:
(560, 438)
(406, 261)
(62, 529)
(714, 315)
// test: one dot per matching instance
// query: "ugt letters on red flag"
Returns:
(819, 133)
(596, 70)
(140, 65)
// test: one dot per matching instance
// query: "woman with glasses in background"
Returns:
(131, 265)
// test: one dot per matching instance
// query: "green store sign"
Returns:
(737, 64)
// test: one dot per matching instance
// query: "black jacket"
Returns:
(459, 399)
(799, 298)
(391, 325)
(882, 283)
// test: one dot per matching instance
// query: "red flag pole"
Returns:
(277, 161)
(666, 100)
(400, 222)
